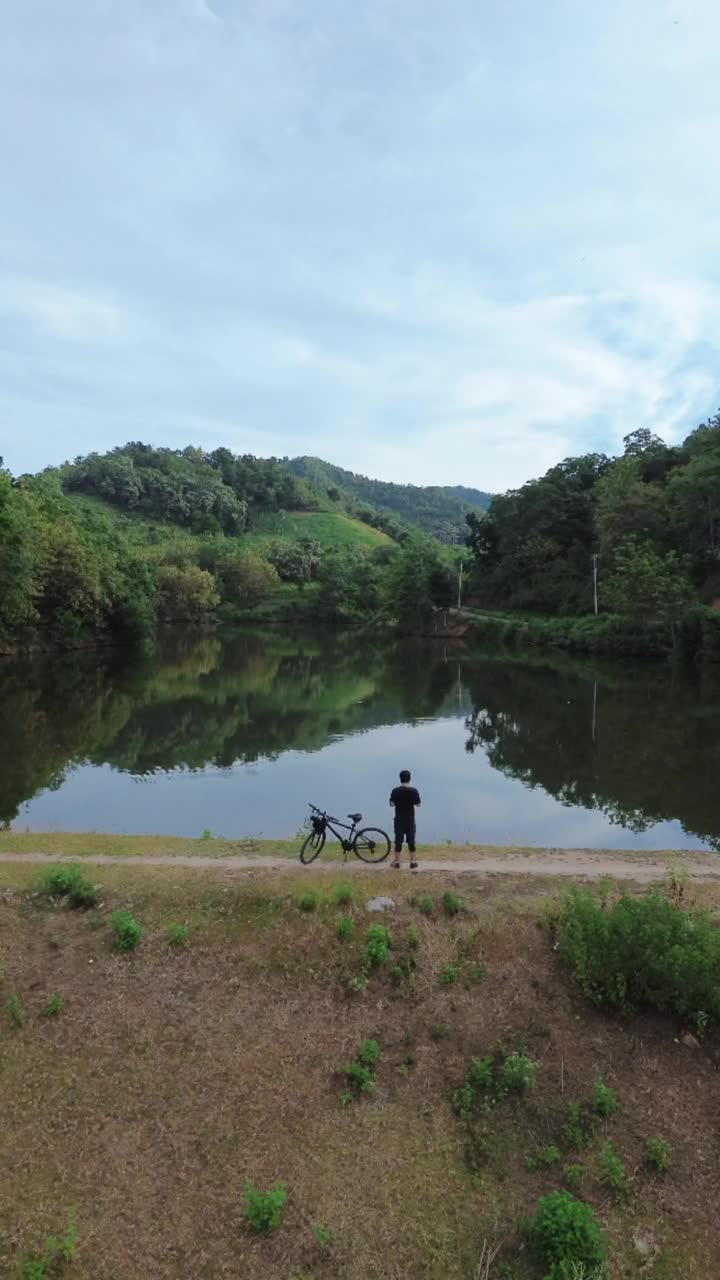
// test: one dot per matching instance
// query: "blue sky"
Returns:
(441, 243)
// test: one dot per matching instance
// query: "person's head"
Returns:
(405, 775)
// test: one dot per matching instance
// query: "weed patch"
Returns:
(451, 903)
(438, 1031)
(360, 1073)
(377, 946)
(177, 935)
(657, 1154)
(342, 895)
(572, 1176)
(612, 1171)
(548, 1158)
(15, 1011)
(126, 929)
(54, 1006)
(637, 952)
(68, 881)
(323, 1235)
(604, 1099)
(344, 928)
(308, 901)
(426, 905)
(57, 1253)
(264, 1209)
(450, 974)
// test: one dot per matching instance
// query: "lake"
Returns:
(235, 733)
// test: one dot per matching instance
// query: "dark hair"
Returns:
(405, 775)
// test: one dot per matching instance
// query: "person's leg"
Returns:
(398, 841)
(411, 845)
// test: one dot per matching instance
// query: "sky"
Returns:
(434, 243)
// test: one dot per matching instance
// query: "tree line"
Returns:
(648, 522)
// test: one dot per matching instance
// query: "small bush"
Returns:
(642, 952)
(451, 903)
(68, 881)
(564, 1235)
(480, 1076)
(58, 1251)
(54, 1006)
(357, 984)
(450, 974)
(413, 936)
(344, 928)
(612, 1170)
(579, 1128)
(264, 1209)
(438, 1031)
(360, 1073)
(15, 1010)
(572, 1176)
(426, 905)
(324, 1236)
(548, 1158)
(604, 1099)
(177, 935)
(308, 901)
(126, 929)
(377, 946)
(657, 1154)
(517, 1074)
(342, 895)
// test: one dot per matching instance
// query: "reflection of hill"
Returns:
(202, 700)
(643, 747)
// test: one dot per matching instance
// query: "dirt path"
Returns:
(576, 864)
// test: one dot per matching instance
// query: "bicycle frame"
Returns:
(320, 816)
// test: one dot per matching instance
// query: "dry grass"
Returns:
(170, 1077)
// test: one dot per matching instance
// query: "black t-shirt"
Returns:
(405, 798)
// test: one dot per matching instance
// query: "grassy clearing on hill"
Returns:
(171, 1075)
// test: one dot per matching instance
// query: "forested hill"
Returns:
(438, 510)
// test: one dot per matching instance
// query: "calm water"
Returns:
(236, 733)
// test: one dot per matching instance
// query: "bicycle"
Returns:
(370, 844)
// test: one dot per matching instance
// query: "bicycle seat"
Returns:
(355, 817)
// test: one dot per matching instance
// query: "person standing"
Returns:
(404, 800)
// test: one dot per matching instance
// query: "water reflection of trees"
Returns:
(640, 745)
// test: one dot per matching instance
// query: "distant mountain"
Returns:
(439, 510)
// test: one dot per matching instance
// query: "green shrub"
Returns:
(476, 973)
(450, 974)
(369, 1052)
(324, 1236)
(264, 1209)
(344, 928)
(54, 1006)
(657, 1154)
(517, 1074)
(548, 1158)
(426, 905)
(413, 936)
(564, 1235)
(177, 935)
(438, 1031)
(451, 903)
(58, 1251)
(67, 880)
(579, 1128)
(15, 1010)
(572, 1176)
(604, 1099)
(126, 929)
(480, 1076)
(642, 952)
(308, 901)
(612, 1170)
(342, 895)
(377, 946)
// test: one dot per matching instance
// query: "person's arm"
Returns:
(392, 798)
(418, 802)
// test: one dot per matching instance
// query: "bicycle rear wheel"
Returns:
(312, 846)
(371, 845)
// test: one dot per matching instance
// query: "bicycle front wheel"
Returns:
(371, 845)
(312, 846)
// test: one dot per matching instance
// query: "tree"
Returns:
(642, 441)
(246, 578)
(185, 595)
(645, 584)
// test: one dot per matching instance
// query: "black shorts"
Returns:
(404, 830)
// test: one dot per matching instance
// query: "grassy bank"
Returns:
(695, 636)
(164, 1078)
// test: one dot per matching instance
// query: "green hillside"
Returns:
(438, 510)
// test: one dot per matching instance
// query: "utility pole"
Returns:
(460, 583)
(595, 582)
